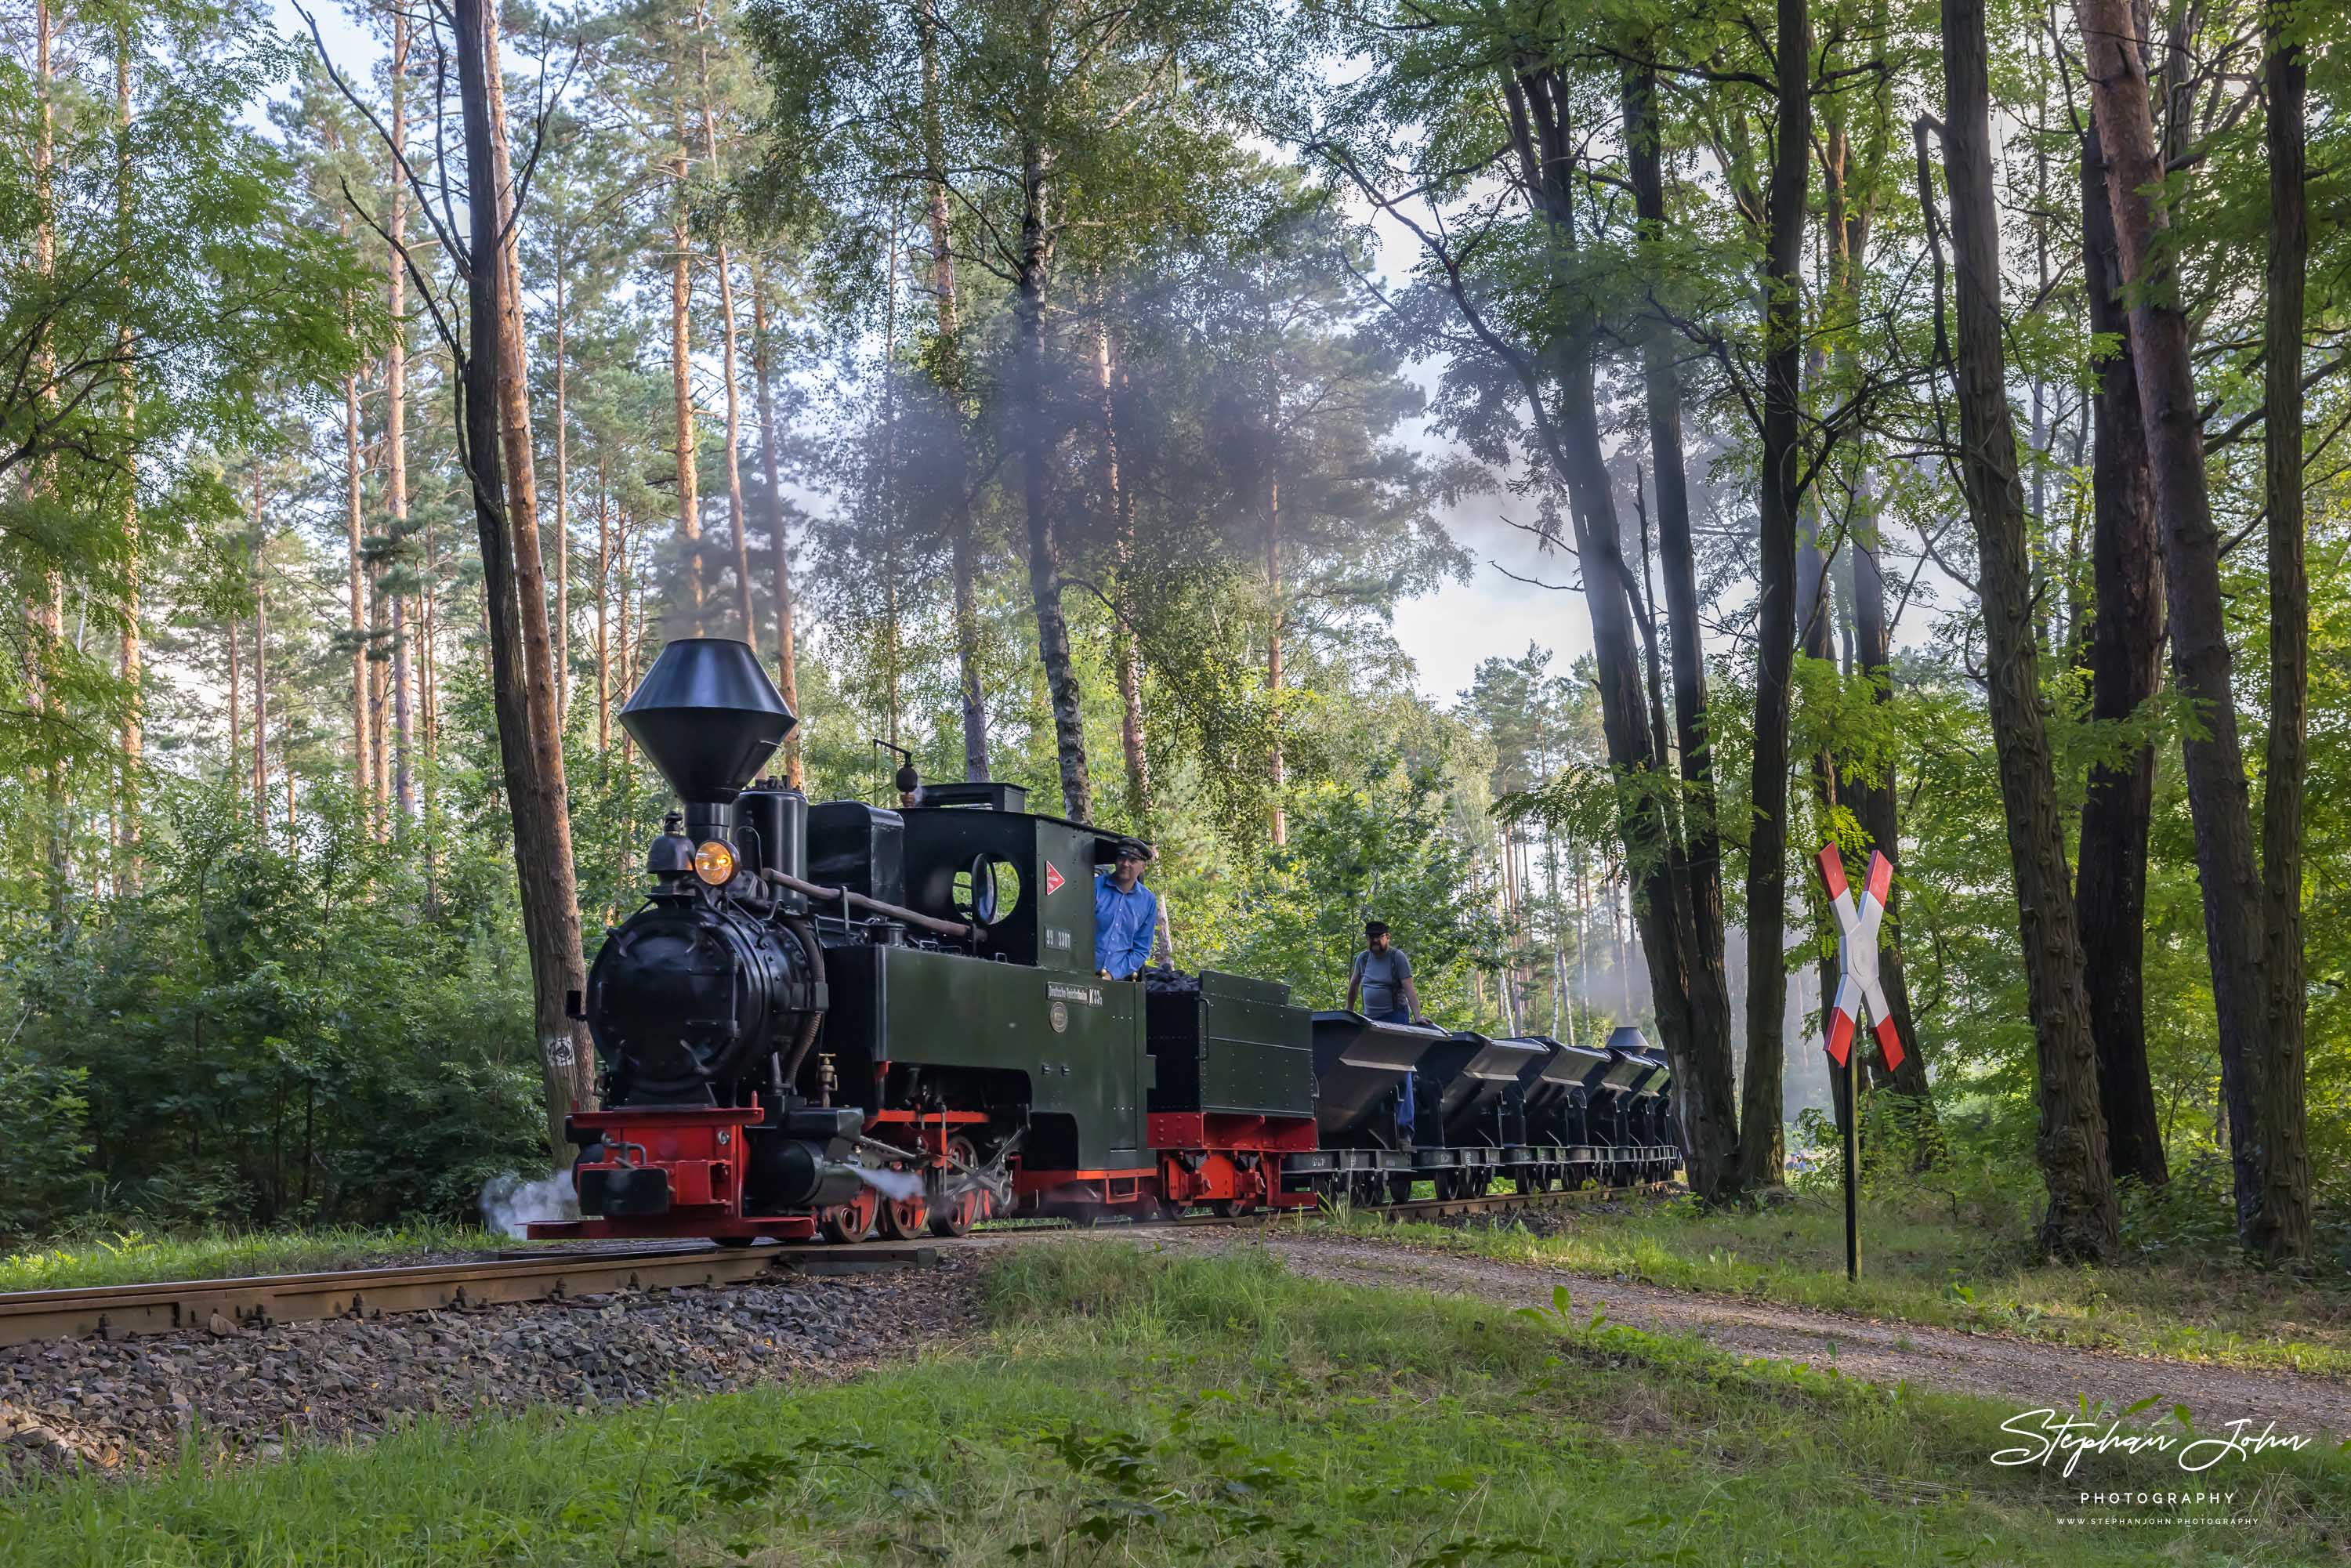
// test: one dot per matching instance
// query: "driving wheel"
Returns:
(904, 1218)
(851, 1221)
(956, 1215)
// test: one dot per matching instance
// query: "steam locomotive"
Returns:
(840, 1020)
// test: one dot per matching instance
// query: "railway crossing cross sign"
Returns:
(1857, 957)
(1857, 920)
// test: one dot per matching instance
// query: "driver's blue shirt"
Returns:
(1124, 924)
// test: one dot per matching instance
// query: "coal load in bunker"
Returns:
(840, 1021)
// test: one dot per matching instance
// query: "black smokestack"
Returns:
(708, 717)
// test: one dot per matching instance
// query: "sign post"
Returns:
(1858, 985)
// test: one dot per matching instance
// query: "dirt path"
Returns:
(2029, 1373)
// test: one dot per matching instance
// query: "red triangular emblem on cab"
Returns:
(1053, 878)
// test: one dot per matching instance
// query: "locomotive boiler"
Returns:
(843, 1019)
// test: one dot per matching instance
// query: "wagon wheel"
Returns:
(904, 1218)
(854, 1220)
(1400, 1188)
(956, 1216)
(1369, 1189)
(1232, 1208)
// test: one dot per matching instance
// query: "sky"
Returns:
(1448, 633)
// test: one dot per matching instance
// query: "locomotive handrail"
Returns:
(952, 929)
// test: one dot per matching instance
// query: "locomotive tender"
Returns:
(840, 1020)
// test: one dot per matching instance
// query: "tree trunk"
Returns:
(395, 429)
(562, 552)
(735, 518)
(127, 819)
(1877, 803)
(1131, 733)
(1762, 1149)
(680, 357)
(261, 704)
(885, 498)
(362, 763)
(378, 703)
(2218, 797)
(1127, 642)
(787, 654)
(2082, 1221)
(48, 610)
(1037, 491)
(236, 781)
(1278, 771)
(2125, 657)
(260, 665)
(1854, 189)
(428, 669)
(1678, 557)
(603, 603)
(621, 654)
(1694, 1042)
(2283, 1230)
(1816, 635)
(493, 384)
(948, 374)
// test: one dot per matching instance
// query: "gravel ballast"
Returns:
(126, 1404)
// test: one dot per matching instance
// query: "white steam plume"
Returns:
(510, 1202)
(896, 1185)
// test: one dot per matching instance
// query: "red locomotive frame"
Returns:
(1227, 1162)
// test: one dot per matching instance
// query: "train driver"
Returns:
(1126, 915)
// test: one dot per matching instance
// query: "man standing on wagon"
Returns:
(1382, 978)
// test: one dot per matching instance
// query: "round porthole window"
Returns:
(988, 890)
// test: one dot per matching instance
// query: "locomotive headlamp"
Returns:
(714, 862)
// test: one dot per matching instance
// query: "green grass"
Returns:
(1126, 1408)
(1970, 1269)
(132, 1258)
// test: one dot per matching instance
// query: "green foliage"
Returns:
(337, 1032)
(95, 1253)
(44, 1127)
(182, 277)
(1376, 848)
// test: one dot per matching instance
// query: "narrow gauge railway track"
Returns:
(117, 1311)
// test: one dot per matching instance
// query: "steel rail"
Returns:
(117, 1311)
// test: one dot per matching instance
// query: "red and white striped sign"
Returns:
(1857, 956)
